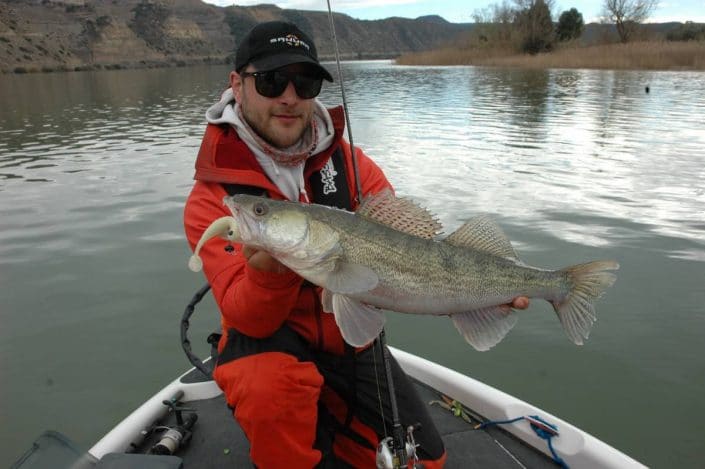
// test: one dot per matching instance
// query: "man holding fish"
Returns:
(305, 393)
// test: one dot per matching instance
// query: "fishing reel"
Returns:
(178, 435)
(390, 456)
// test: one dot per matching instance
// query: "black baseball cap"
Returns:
(276, 44)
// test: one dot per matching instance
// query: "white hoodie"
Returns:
(288, 178)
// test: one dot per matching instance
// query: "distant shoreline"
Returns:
(35, 68)
(647, 55)
(170, 63)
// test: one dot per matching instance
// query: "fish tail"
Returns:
(587, 282)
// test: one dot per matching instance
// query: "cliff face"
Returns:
(48, 35)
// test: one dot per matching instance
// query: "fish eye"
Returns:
(259, 209)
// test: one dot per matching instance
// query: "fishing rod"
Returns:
(392, 452)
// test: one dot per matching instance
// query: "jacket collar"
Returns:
(225, 158)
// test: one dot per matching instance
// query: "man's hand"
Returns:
(262, 261)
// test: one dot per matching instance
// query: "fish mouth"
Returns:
(246, 224)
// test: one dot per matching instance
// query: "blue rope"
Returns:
(497, 422)
(540, 432)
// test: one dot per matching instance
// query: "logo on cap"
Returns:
(290, 40)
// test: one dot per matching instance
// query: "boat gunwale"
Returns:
(576, 447)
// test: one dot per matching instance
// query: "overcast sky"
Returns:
(459, 11)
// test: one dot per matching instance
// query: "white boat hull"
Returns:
(577, 448)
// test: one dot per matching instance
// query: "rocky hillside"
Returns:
(46, 35)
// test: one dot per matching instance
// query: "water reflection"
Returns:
(533, 145)
(527, 92)
(575, 164)
(527, 144)
(79, 121)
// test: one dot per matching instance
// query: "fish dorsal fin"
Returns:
(400, 214)
(484, 234)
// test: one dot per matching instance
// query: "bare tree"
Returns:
(627, 15)
(496, 21)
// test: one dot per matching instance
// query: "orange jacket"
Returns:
(253, 302)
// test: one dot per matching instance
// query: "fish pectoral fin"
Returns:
(327, 301)
(486, 327)
(359, 323)
(351, 278)
(484, 234)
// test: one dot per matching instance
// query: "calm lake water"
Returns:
(576, 165)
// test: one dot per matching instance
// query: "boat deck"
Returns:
(218, 441)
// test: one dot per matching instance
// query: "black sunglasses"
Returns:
(273, 83)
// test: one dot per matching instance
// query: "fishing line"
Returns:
(358, 185)
(398, 443)
(379, 393)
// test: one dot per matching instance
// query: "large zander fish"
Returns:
(386, 257)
